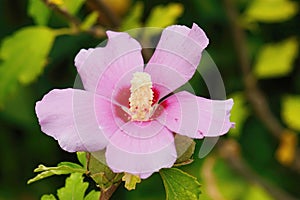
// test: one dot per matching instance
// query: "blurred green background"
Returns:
(255, 45)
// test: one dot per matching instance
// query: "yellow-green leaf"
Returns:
(257, 193)
(134, 17)
(48, 197)
(24, 55)
(89, 21)
(276, 60)
(180, 185)
(290, 111)
(271, 10)
(72, 6)
(38, 11)
(239, 112)
(130, 181)
(162, 16)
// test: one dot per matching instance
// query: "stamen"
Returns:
(141, 97)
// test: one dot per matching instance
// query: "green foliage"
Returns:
(72, 6)
(162, 16)
(134, 17)
(271, 10)
(39, 12)
(81, 156)
(89, 21)
(62, 168)
(275, 60)
(180, 185)
(130, 181)
(291, 111)
(75, 189)
(24, 55)
(239, 112)
(185, 148)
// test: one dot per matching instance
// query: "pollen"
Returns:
(140, 100)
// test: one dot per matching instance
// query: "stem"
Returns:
(107, 193)
(255, 96)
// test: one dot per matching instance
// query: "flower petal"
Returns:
(196, 117)
(103, 70)
(176, 57)
(141, 149)
(69, 116)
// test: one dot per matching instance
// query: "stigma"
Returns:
(141, 97)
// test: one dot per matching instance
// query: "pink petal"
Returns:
(176, 57)
(69, 116)
(141, 148)
(196, 117)
(104, 70)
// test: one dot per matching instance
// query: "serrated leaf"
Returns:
(38, 11)
(93, 195)
(24, 55)
(130, 181)
(72, 6)
(290, 111)
(48, 197)
(81, 156)
(271, 10)
(276, 60)
(180, 185)
(62, 168)
(162, 16)
(239, 112)
(74, 188)
(134, 17)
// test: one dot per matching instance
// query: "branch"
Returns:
(254, 95)
(230, 151)
(106, 194)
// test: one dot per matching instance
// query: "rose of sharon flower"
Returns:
(125, 108)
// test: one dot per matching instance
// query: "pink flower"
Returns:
(124, 107)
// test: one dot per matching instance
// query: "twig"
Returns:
(106, 194)
(253, 93)
(230, 151)
(102, 8)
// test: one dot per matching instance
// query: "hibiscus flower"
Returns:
(128, 109)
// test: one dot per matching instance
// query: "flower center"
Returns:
(141, 96)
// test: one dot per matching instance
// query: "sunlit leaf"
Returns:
(130, 181)
(162, 16)
(74, 188)
(180, 185)
(239, 112)
(134, 17)
(257, 193)
(48, 197)
(62, 168)
(72, 6)
(276, 60)
(81, 156)
(290, 111)
(38, 11)
(93, 195)
(89, 21)
(23, 56)
(271, 10)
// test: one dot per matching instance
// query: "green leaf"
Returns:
(89, 21)
(130, 181)
(162, 16)
(180, 185)
(62, 168)
(39, 12)
(239, 112)
(72, 6)
(81, 156)
(74, 188)
(134, 18)
(100, 172)
(185, 148)
(271, 10)
(290, 111)
(275, 60)
(23, 56)
(48, 197)
(257, 193)
(93, 195)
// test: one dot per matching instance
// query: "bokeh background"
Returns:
(255, 45)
